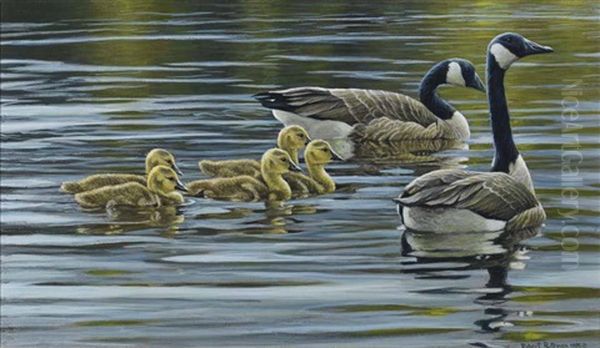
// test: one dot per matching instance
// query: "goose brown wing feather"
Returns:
(491, 195)
(347, 105)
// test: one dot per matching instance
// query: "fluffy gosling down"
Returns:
(158, 191)
(154, 158)
(274, 164)
(290, 139)
(317, 155)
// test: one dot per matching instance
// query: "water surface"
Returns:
(89, 87)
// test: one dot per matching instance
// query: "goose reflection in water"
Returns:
(421, 157)
(496, 252)
(397, 152)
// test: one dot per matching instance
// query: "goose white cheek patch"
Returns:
(503, 56)
(454, 75)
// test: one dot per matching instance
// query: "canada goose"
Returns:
(290, 139)
(154, 158)
(274, 163)
(317, 155)
(503, 199)
(159, 190)
(335, 113)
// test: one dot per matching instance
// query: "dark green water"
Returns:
(90, 87)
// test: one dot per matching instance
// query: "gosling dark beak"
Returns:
(478, 84)
(180, 186)
(308, 139)
(294, 167)
(176, 169)
(535, 48)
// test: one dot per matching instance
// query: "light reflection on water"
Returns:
(88, 88)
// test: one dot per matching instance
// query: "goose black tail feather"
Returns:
(400, 210)
(273, 100)
(311, 100)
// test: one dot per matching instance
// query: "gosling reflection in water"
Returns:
(282, 219)
(124, 220)
(275, 218)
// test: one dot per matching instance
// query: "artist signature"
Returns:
(546, 344)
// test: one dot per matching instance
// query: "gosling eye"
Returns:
(325, 150)
(283, 159)
(301, 135)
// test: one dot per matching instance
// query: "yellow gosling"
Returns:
(290, 139)
(156, 157)
(317, 155)
(272, 187)
(159, 190)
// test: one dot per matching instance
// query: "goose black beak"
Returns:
(176, 169)
(180, 186)
(478, 84)
(294, 167)
(535, 48)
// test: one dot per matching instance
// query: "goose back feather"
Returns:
(348, 105)
(386, 130)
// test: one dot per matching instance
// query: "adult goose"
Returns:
(503, 199)
(344, 113)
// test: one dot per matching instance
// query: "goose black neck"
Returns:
(428, 94)
(504, 145)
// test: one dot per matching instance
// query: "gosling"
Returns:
(156, 157)
(274, 163)
(317, 155)
(158, 191)
(290, 139)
